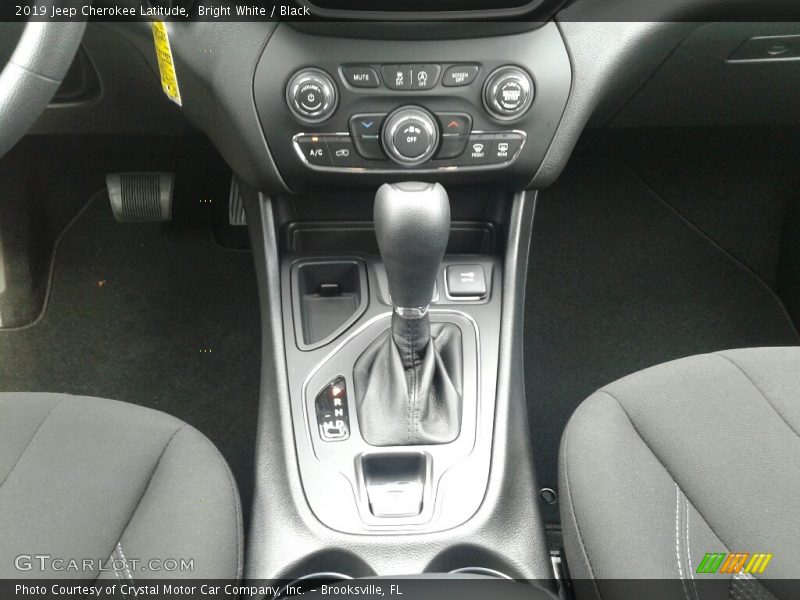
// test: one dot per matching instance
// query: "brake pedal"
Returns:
(141, 196)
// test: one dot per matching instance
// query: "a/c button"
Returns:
(314, 150)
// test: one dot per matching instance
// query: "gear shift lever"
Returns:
(412, 223)
(408, 381)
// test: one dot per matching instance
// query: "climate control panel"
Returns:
(462, 111)
(409, 137)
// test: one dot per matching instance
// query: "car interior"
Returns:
(452, 294)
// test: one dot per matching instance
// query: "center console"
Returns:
(386, 442)
(393, 435)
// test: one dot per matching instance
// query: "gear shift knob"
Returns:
(408, 382)
(412, 223)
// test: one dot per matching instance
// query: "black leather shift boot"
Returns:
(408, 384)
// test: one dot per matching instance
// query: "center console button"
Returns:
(465, 281)
(361, 76)
(343, 152)
(455, 133)
(504, 147)
(365, 130)
(478, 148)
(314, 149)
(311, 95)
(424, 77)
(397, 77)
(411, 139)
(508, 93)
(454, 123)
(458, 75)
(410, 135)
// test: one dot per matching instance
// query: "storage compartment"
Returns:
(319, 237)
(395, 483)
(327, 297)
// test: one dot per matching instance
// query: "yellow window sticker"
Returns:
(166, 64)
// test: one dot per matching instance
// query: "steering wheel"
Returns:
(31, 77)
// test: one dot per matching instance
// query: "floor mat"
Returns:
(617, 282)
(154, 314)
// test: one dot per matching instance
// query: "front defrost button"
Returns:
(478, 149)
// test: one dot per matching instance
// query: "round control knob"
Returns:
(311, 95)
(410, 135)
(508, 93)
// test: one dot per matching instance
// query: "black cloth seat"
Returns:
(696, 456)
(85, 478)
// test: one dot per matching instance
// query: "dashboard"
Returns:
(240, 83)
(482, 108)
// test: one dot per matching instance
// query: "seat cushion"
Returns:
(694, 456)
(85, 478)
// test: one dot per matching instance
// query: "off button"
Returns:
(412, 139)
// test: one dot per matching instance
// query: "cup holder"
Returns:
(307, 583)
(481, 571)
